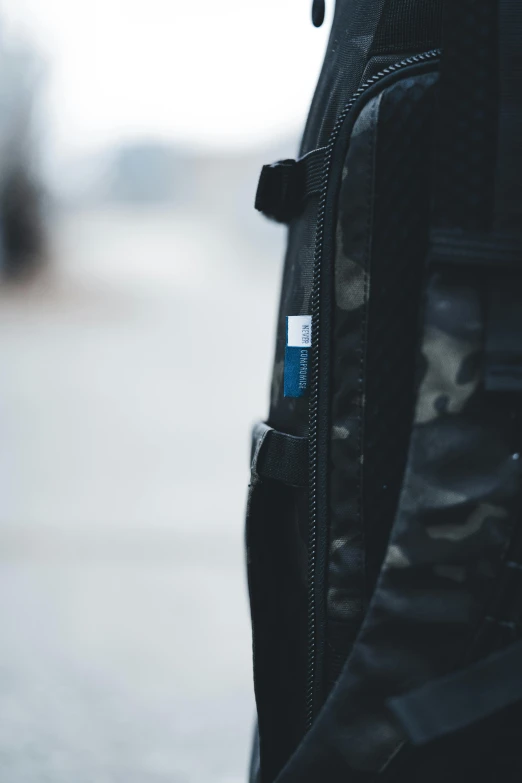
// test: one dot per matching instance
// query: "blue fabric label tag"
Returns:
(297, 355)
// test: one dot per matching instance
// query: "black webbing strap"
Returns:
(459, 700)
(277, 456)
(471, 248)
(285, 186)
(478, 171)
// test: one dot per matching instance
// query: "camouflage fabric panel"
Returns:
(382, 231)
(459, 505)
(346, 575)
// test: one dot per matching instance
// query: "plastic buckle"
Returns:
(280, 190)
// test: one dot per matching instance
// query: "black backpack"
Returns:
(384, 520)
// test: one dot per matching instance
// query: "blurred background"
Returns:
(137, 311)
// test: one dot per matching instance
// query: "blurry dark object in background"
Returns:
(22, 226)
(22, 232)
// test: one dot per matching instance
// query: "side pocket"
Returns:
(276, 545)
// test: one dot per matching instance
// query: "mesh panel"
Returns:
(409, 26)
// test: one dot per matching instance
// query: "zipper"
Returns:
(318, 422)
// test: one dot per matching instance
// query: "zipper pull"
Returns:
(318, 10)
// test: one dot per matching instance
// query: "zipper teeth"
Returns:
(314, 384)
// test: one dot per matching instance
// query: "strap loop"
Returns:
(277, 456)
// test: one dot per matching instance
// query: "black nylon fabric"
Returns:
(276, 568)
(351, 38)
(479, 185)
(409, 26)
(467, 124)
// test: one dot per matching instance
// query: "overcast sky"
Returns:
(203, 72)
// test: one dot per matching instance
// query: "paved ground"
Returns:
(128, 383)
